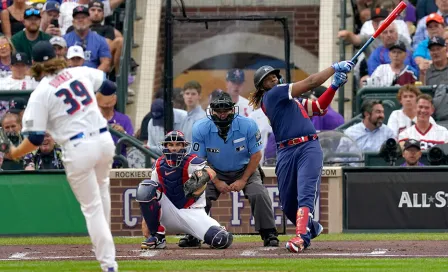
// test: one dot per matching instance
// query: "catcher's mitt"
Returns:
(5, 143)
(196, 184)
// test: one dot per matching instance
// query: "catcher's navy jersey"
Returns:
(287, 115)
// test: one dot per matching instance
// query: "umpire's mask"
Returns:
(222, 112)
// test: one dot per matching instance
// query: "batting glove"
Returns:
(339, 79)
(343, 66)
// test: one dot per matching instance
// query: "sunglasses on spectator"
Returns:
(30, 12)
(2, 46)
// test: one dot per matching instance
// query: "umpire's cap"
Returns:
(263, 72)
(43, 51)
(222, 101)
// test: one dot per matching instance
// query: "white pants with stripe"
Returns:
(87, 163)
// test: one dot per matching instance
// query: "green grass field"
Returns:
(249, 264)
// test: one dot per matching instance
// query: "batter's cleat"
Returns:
(154, 242)
(295, 245)
(271, 240)
(189, 241)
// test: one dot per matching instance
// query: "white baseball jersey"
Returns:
(243, 107)
(200, 202)
(265, 128)
(433, 136)
(10, 84)
(398, 121)
(65, 104)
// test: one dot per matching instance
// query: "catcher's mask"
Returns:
(262, 73)
(174, 159)
(222, 111)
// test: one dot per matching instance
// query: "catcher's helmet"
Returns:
(174, 159)
(263, 72)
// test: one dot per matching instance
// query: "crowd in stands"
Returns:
(411, 49)
(82, 33)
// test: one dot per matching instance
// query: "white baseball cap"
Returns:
(75, 51)
(58, 41)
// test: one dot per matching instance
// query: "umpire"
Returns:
(232, 146)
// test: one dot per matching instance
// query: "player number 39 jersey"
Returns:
(64, 104)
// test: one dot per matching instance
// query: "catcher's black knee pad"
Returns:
(218, 237)
(148, 197)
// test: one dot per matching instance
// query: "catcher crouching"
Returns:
(174, 200)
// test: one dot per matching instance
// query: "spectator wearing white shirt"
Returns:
(405, 117)
(75, 56)
(395, 72)
(234, 84)
(263, 125)
(428, 134)
(368, 28)
(18, 80)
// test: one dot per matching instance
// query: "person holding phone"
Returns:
(50, 18)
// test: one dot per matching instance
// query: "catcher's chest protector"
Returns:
(172, 180)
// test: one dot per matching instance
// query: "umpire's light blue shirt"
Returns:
(243, 140)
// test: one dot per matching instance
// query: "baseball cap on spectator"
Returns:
(75, 51)
(31, 12)
(434, 17)
(51, 6)
(43, 51)
(398, 45)
(157, 113)
(436, 41)
(378, 13)
(412, 143)
(235, 76)
(58, 41)
(80, 10)
(96, 4)
(20, 57)
(16, 105)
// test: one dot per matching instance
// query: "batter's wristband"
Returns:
(333, 87)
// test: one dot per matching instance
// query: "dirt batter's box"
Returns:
(231, 210)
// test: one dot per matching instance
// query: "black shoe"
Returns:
(271, 240)
(189, 241)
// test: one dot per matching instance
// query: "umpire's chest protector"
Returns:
(173, 179)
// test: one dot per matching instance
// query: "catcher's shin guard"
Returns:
(151, 212)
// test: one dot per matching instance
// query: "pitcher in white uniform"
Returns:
(64, 104)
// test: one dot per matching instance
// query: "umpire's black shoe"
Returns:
(189, 241)
(271, 240)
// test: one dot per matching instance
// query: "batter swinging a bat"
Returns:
(174, 198)
(299, 155)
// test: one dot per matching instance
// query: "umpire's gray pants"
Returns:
(254, 191)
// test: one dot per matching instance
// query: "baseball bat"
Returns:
(392, 16)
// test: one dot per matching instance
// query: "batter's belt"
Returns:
(296, 141)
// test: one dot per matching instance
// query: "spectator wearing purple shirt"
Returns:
(331, 119)
(96, 51)
(119, 121)
(412, 153)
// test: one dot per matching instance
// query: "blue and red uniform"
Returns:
(299, 155)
